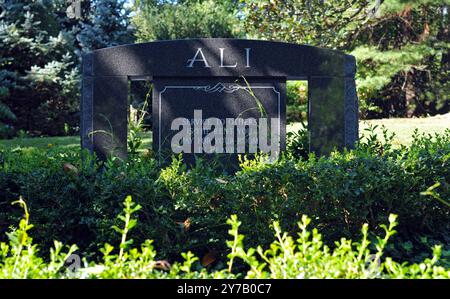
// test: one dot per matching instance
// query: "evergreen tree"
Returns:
(402, 46)
(403, 59)
(39, 59)
(106, 25)
(6, 83)
(38, 70)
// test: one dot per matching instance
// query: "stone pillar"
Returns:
(86, 105)
(351, 105)
(104, 109)
(333, 111)
(110, 111)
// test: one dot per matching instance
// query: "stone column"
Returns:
(86, 105)
(104, 112)
(333, 110)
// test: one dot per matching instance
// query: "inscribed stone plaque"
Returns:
(224, 116)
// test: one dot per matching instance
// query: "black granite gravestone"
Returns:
(225, 101)
(218, 96)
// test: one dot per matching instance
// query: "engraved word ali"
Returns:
(199, 57)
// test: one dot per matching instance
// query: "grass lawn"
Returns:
(402, 127)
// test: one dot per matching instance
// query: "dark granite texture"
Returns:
(266, 59)
(333, 104)
(110, 110)
(351, 113)
(220, 98)
(326, 114)
(87, 90)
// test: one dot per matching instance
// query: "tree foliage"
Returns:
(107, 25)
(403, 59)
(314, 22)
(165, 20)
(39, 55)
(39, 64)
(402, 46)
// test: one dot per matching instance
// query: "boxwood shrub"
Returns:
(74, 199)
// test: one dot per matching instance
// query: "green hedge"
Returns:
(77, 202)
(305, 257)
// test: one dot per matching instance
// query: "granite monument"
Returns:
(218, 96)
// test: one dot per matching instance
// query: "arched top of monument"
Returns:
(219, 57)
